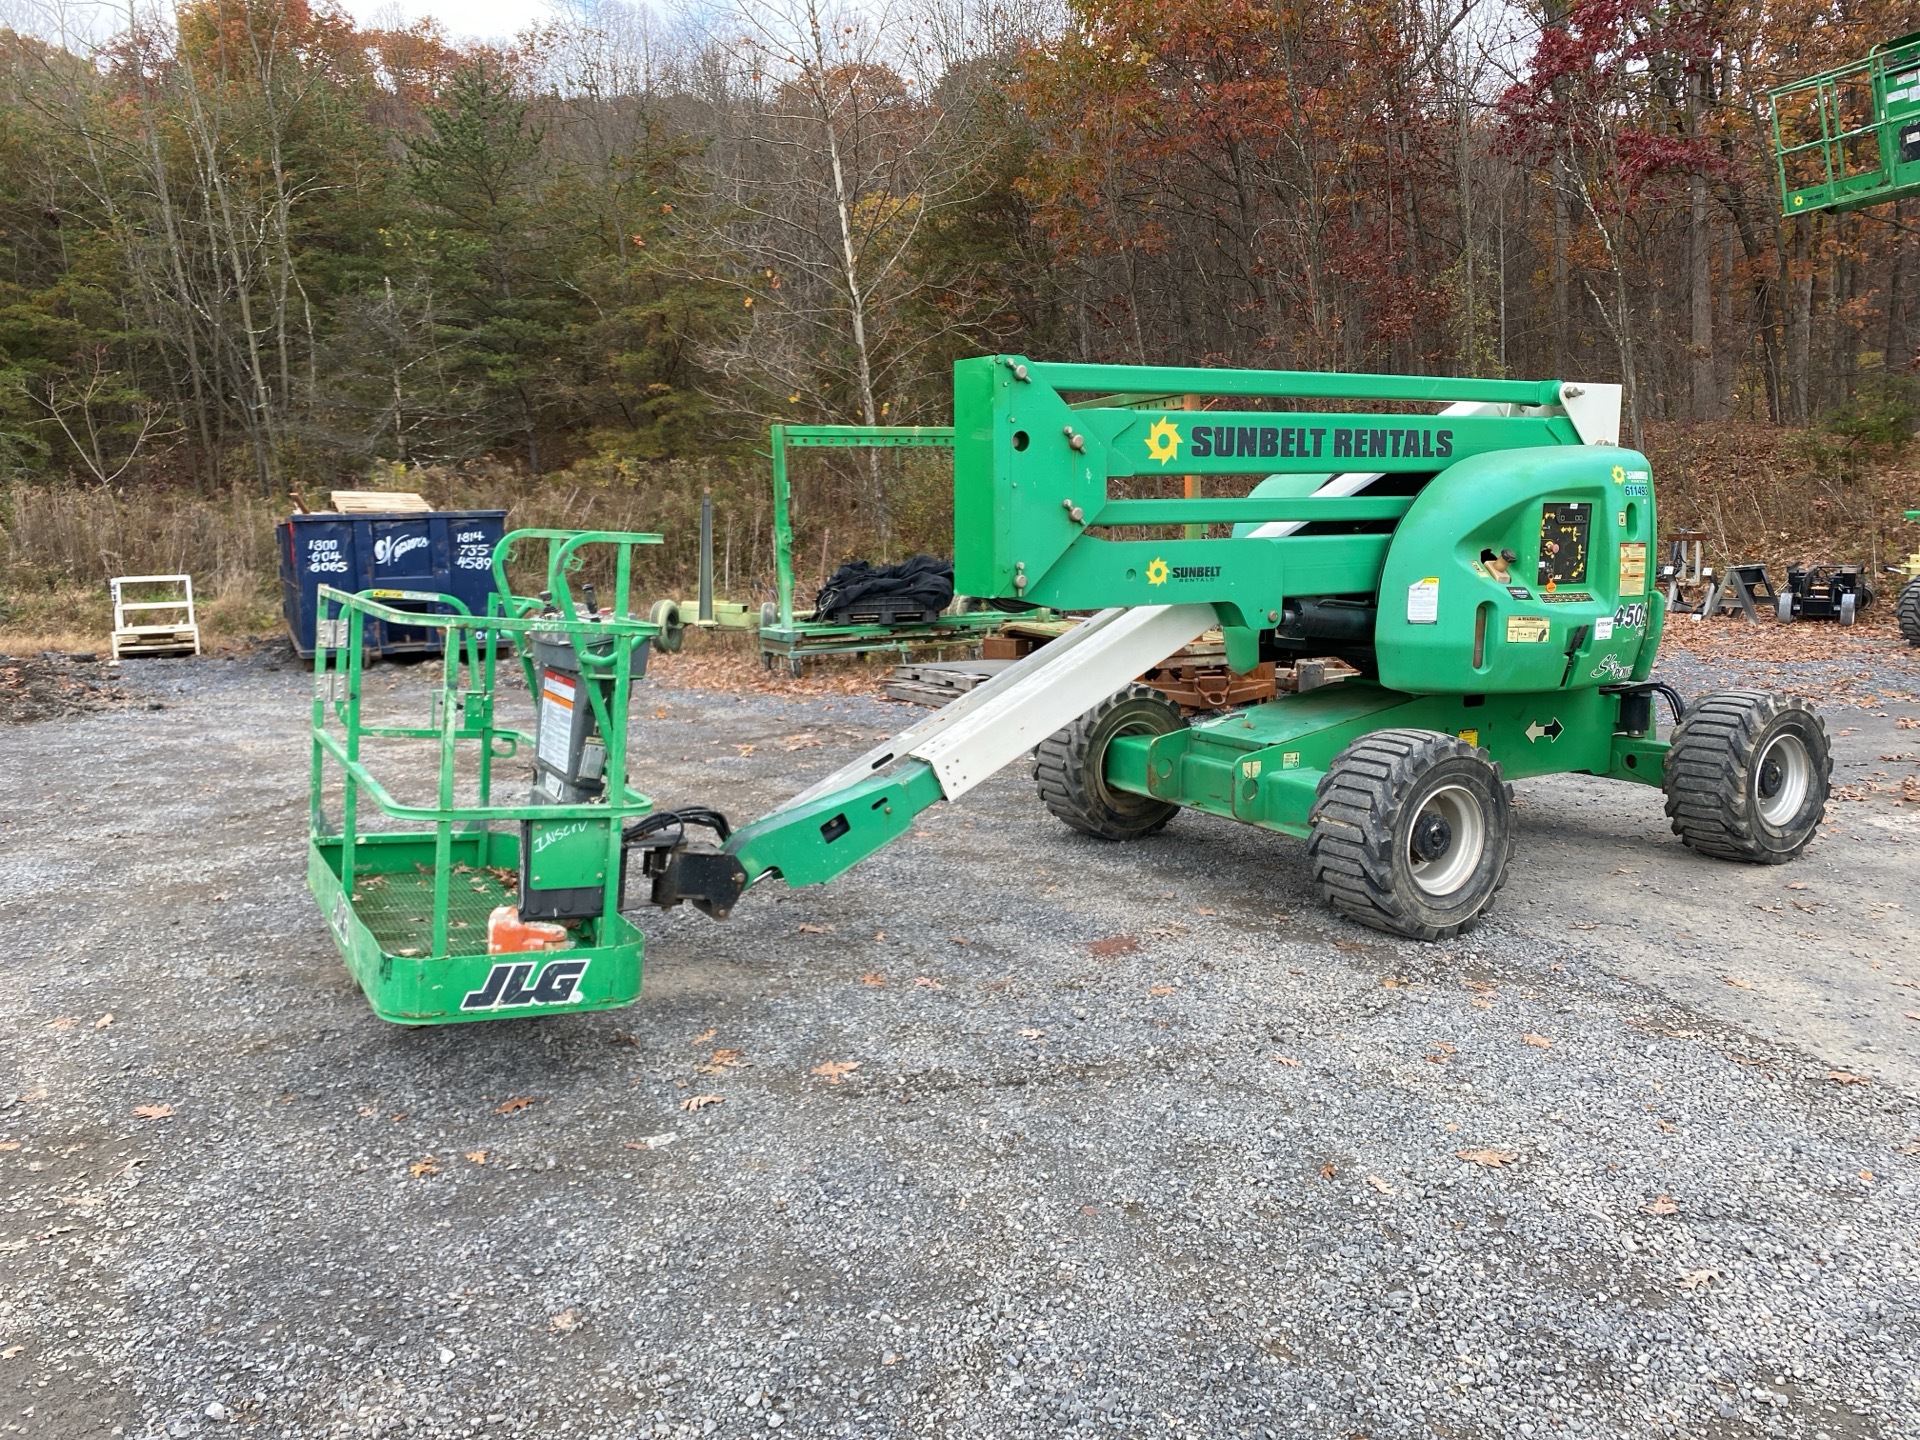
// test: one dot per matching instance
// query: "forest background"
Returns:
(250, 249)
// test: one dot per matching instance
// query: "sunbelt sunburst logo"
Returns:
(1157, 571)
(1163, 443)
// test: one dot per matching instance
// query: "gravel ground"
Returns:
(1111, 1140)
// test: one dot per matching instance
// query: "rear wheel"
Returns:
(1907, 612)
(1412, 831)
(1747, 776)
(1783, 611)
(1849, 608)
(1069, 767)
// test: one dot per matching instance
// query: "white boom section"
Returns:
(992, 725)
(1593, 409)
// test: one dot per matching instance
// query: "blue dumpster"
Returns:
(448, 551)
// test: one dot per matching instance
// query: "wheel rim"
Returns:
(1446, 841)
(1782, 778)
(1122, 799)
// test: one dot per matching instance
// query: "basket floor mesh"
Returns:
(398, 909)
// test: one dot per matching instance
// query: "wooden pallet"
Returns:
(179, 635)
(938, 681)
(380, 502)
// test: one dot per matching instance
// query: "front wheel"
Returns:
(1748, 775)
(1412, 831)
(1783, 611)
(1070, 767)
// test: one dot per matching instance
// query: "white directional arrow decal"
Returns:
(1553, 730)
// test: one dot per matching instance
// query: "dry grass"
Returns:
(1759, 493)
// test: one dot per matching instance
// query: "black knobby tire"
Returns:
(1412, 832)
(1748, 775)
(1069, 766)
(1907, 612)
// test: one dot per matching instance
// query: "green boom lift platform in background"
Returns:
(1850, 136)
(1478, 550)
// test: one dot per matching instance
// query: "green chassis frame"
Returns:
(792, 639)
(1839, 151)
(408, 907)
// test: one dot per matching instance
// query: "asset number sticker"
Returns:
(1528, 629)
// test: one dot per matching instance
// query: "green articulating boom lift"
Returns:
(1484, 566)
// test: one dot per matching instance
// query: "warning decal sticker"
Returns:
(1633, 568)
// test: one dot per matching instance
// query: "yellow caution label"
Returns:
(1633, 568)
(1472, 737)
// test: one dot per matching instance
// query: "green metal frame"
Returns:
(791, 638)
(416, 968)
(1820, 155)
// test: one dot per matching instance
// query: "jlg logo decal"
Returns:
(507, 985)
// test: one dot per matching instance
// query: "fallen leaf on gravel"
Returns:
(1583, 925)
(652, 1142)
(509, 1107)
(1377, 1183)
(565, 1323)
(623, 1037)
(1390, 983)
(1539, 1042)
(879, 935)
(104, 1021)
(1442, 1053)
(153, 1112)
(800, 742)
(889, 1359)
(1737, 984)
(961, 940)
(1661, 1205)
(1489, 1157)
(1032, 1034)
(1796, 885)
(700, 1102)
(1203, 910)
(1912, 1147)
(1352, 947)
(63, 1022)
(9, 1144)
(1867, 1175)
(1847, 1077)
(1161, 990)
(1288, 1061)
(11, 1351)
(816, 929)
(428, 1166)
(1697, 1279)
(1113, 945)
(1328, 1171)
(927, 982)
(478, 1157)
(1911, 1014)
(835, 1070)
(704, 1036)
(719, 1061)
(873, 978)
